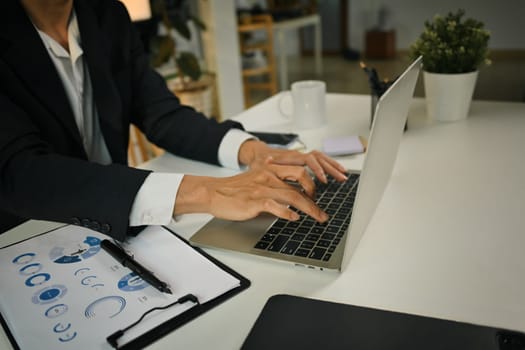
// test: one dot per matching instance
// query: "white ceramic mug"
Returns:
(309, 104)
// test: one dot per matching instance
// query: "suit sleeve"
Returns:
(159, 114)
(38, 183)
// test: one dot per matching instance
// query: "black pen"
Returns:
(121, 256)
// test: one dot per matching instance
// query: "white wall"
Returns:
(221, 46)
(504, 18)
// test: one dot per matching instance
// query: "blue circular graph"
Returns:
(30, 269)
(81, 271)
(60, 327)
(67, 337)
(56, 310)
(131, 283)
(75, 251)
(24, 258)
(37, 279)
(88, 280)
(49, 294)
(109, 306)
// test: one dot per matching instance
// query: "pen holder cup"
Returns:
(374, 99)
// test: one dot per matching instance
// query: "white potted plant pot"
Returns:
(448, 96)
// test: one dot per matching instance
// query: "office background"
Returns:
(504, 80)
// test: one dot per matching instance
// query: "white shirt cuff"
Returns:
(229, 148)
(155, 200)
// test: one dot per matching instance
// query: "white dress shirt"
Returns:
(155, 200)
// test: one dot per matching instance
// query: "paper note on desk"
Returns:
(344, 145)
(65, 292)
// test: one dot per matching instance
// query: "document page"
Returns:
(60, 290)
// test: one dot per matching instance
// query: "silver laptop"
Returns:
(350, 204)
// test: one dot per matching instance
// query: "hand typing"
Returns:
(263, 188)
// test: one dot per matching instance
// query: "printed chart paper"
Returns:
(60, 290)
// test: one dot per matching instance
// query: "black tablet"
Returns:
(291, 322)
(276, 139)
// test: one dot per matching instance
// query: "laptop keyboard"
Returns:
(308, 238)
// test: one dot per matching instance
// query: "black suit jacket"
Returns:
(44, 172)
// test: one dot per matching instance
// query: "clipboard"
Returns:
(292, 322)
(144, 338)
(171, 325)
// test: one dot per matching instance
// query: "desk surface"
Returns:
(447, 239)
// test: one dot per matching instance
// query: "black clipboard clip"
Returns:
(113, 338)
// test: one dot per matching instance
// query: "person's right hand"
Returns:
(248, 194)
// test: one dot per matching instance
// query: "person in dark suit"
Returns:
(73, 76)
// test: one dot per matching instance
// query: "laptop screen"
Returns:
(389, 121)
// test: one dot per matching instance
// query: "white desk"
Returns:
(447, 239)
(281, 27)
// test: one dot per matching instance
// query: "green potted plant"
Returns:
(175, 15)
(188, 81)
(453, 50)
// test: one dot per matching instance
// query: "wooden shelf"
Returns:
(250, 72)
(252, 47)
(253, 25)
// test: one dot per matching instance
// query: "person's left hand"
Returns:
(254, 153)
